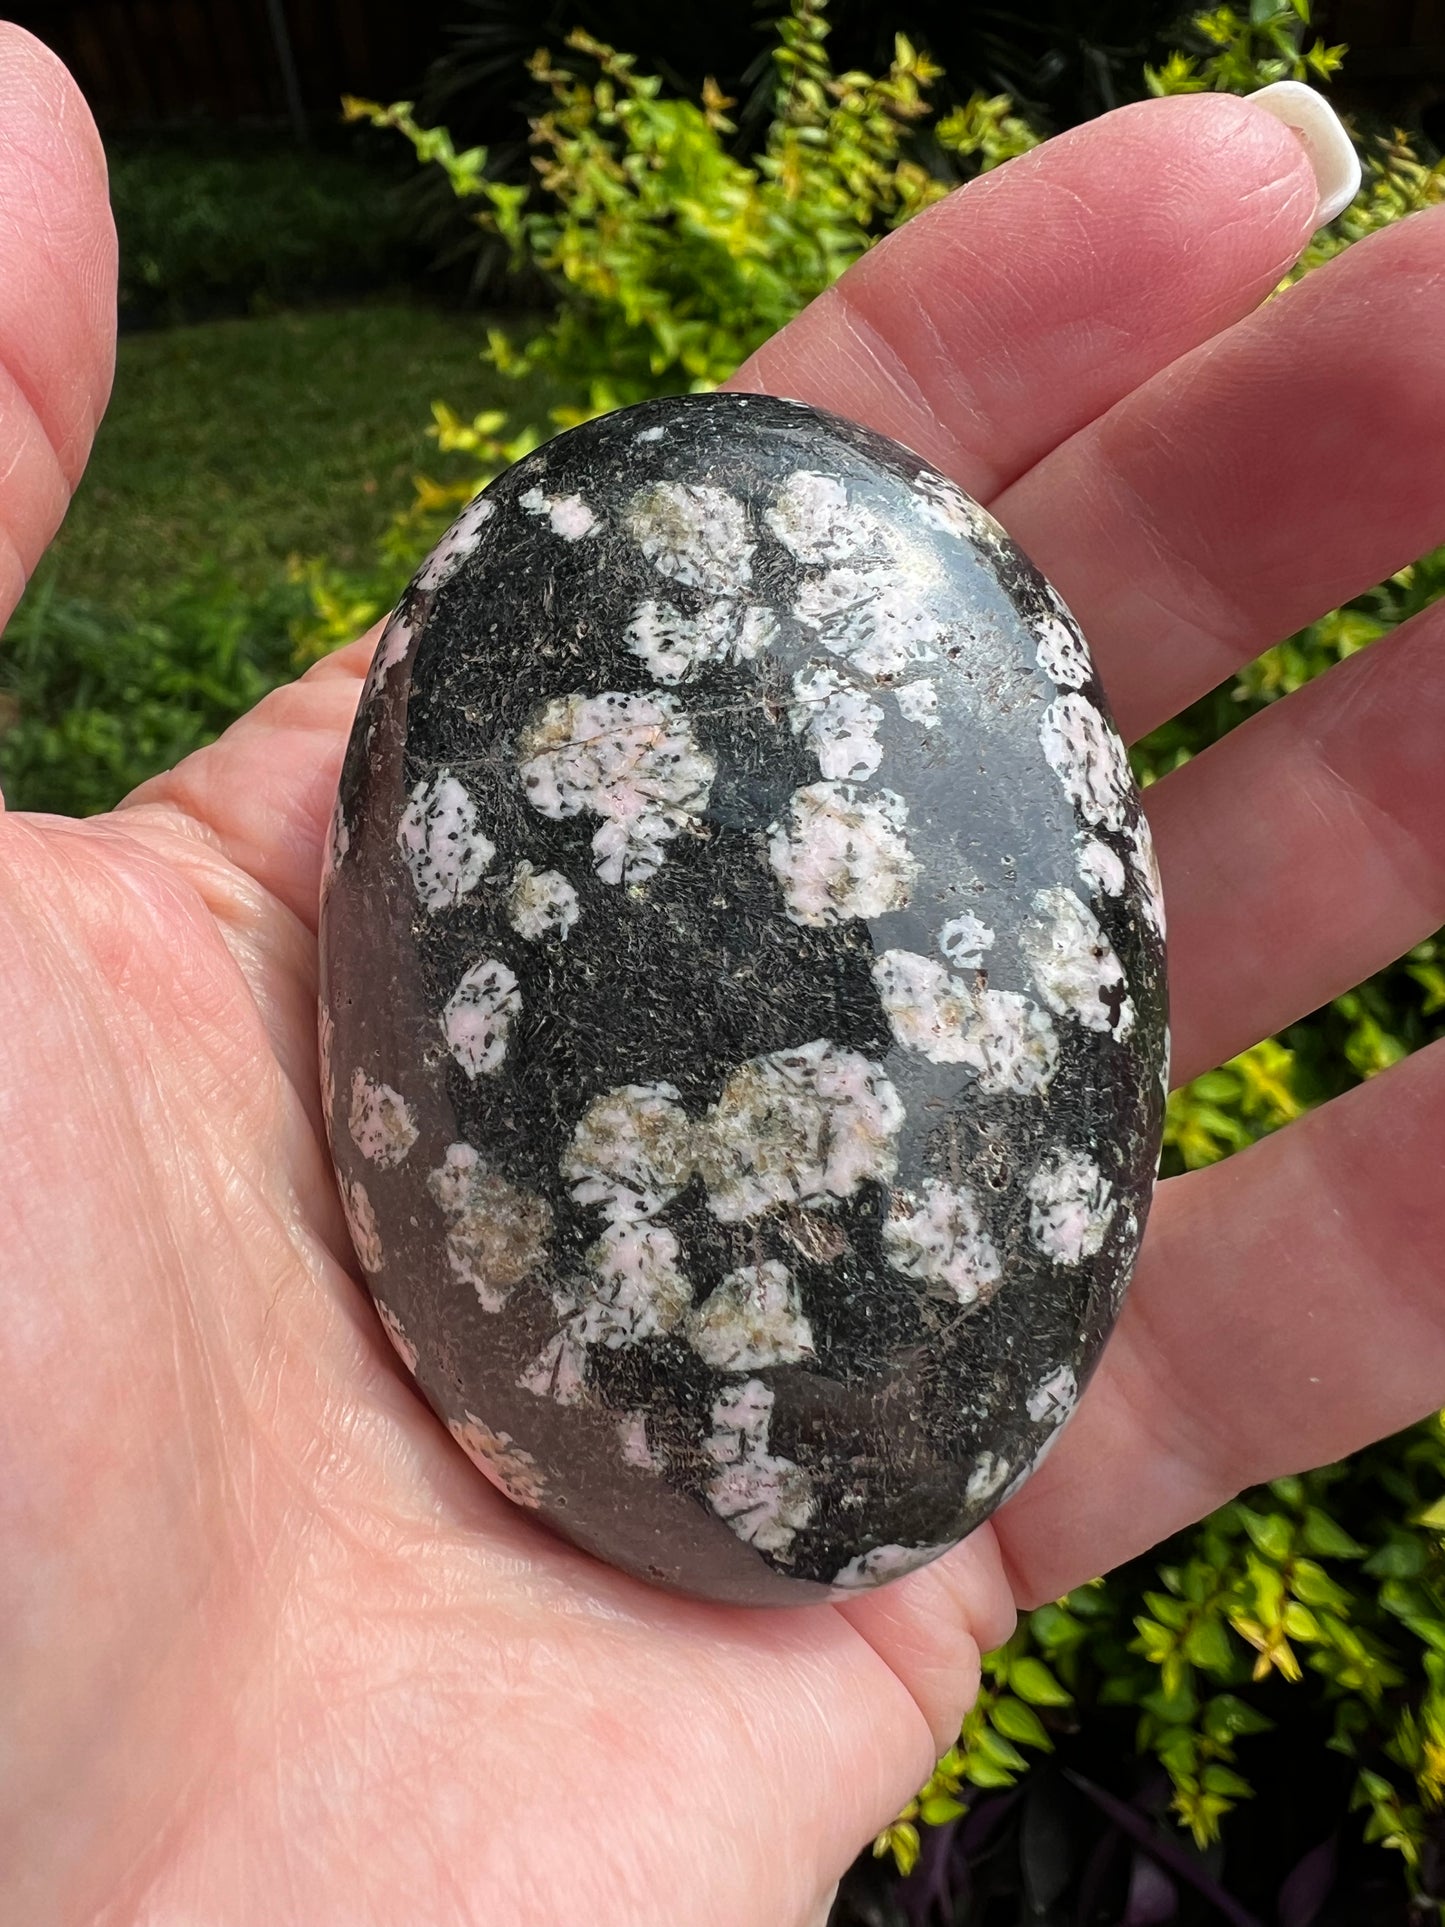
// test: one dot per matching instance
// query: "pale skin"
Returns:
(271, 1649)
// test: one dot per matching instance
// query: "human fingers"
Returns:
(1009, 315)
(982, 333)
(1257, 482)
(1305, 850)
(57, 299)
(1286, 1311)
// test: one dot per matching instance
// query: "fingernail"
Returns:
(1330, 150)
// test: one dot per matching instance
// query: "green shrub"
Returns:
(671, 260)
(94, 702)
(207, 227)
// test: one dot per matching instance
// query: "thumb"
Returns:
(57, 300)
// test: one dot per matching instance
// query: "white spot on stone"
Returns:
(361, 1223)
(456, 545)
(989, 1476)
(883, 1563)
(495, 1454)
(1101, 868)
(753, 1320)
(674, 646)
(1051, 1402)
(1064, 655)
(441, 839)
(400, 1343)
(1004, 1038)
(838, 720)
(813, 519)
(649, 435)
(395, 641)
(642, 1290)
(801, 1126)
(381, 1124)
(764, 1499)
(632, 760)
(1075, 965)
(943, 505)
(337, 845)
(841, 853)
(940, 1240)
(497, 1236)
(877, 619)
(964, 939)
(569, 515)
(1071, 1206)
(636, 1447)
(631, 1152)
(1145, 865)
(325, 1047)
(695, 534)
(1087, 756)
(539, 902)
(478, 1017)
(918, 702)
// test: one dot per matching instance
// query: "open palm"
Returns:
(271, 1650)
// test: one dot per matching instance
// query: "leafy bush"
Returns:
(93, 702)
(1284, 1662)
(1316, 1607)
(209, 227)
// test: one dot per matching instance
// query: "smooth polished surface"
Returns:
(743, 1014)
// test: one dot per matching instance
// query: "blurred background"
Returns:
(370, 253)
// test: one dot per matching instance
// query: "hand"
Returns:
(272, 1650)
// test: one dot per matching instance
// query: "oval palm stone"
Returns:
(743, 1023)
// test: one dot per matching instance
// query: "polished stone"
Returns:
(743, 1024)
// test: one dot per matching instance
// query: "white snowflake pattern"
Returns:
(883, 1563)
(1074, 964)
(1063, 654)
(840, 852)
(939, 1239)
(478, 1017)
(693, 533)
(381, 1123)
(400, 1343)
(631, 1151)
(496, 1455)
(878, 619)
(838, 721)
(497, 1234)
(1005, 1039)
(442, 842)
(361, 1223)
(631, 760)
(1071, 1207)
(1052, 1401)
(1101, 868)
(459, 542)
(964, 940)
(766, 1500)
(569, 516)
(918, 701)
(802, 1126)
(540, 902)
(812, 517)
(1086, 755)
(753, 1319)
(674, 645)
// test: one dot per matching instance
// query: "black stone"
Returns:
(731, 795)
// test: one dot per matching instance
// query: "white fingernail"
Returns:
(1331, 151)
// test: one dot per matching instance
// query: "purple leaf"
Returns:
(1168, 1853)
(1308, 1885)
(1153, 1897)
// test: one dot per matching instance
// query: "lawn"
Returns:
(234, 444)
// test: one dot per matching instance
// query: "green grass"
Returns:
(232, 445)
